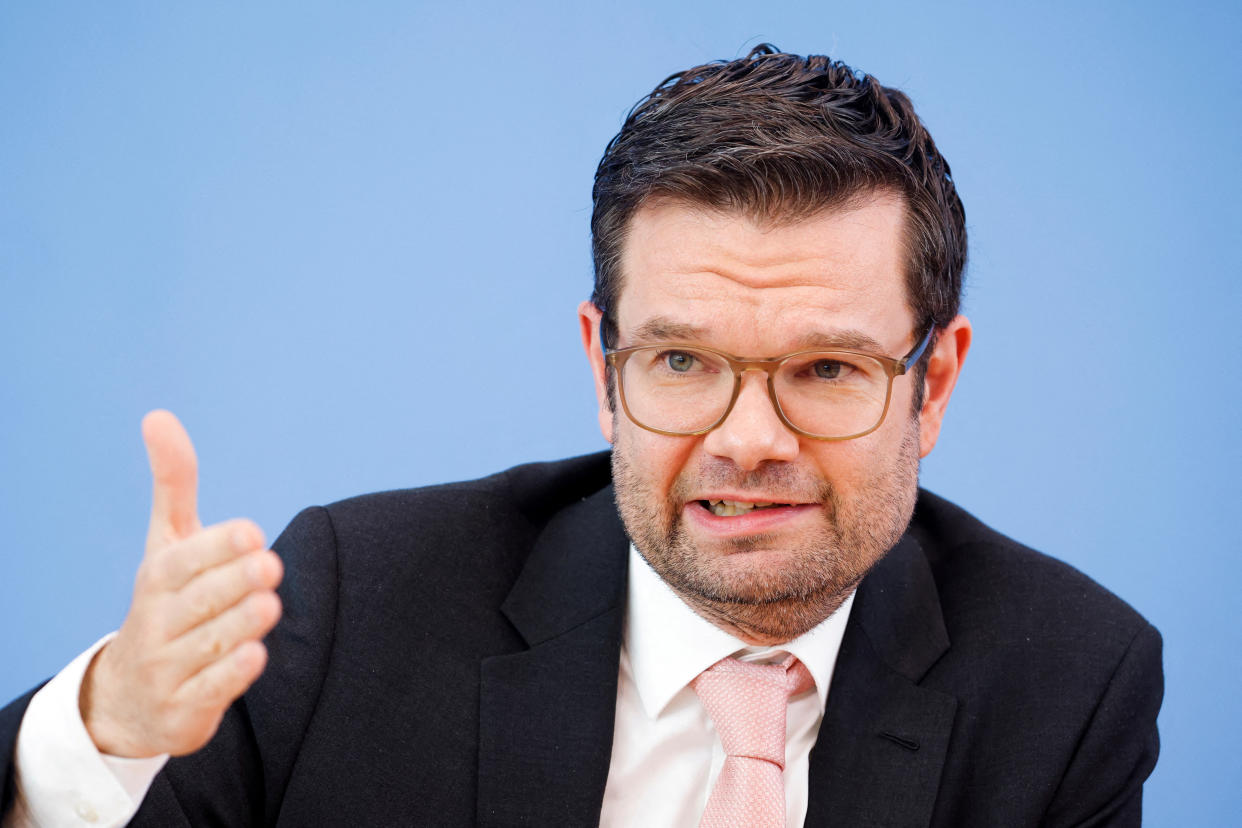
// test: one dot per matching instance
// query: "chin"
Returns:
(757, 570)
(762, 595)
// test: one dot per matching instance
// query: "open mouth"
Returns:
(733, 508)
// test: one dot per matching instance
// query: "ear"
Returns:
(589, 318)
(943, 368)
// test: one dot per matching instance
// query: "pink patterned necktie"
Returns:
(747, 702)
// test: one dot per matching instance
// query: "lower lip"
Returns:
(754, 522)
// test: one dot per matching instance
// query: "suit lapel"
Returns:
(880, 749)
(546, 714)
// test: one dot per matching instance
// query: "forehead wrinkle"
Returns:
(752, 267)
(755, 256)
(786, 271)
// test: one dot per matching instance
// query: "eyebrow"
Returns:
(664, 329)
(846, 339)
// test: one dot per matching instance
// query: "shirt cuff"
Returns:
(62, 778)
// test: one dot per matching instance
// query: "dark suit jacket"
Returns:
(449, 655)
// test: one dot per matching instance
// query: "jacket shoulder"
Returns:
(1057, 679)
(471, 535)
(1011, 580)
(531, 491)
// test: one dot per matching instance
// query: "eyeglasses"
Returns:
(684, 390)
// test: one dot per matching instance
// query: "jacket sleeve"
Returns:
(1103, 785)
(10, 723)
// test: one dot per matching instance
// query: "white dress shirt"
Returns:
(62, 779)
(665, 754)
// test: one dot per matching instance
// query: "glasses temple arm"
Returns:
(915, 355)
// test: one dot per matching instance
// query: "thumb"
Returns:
(174, 472)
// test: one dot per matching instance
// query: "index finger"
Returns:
(174, 474)
(174, 565)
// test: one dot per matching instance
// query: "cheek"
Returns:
(900, 417)
(656, 460)
(855, 464)
(840, 464)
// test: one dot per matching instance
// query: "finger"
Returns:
(214, 590)
(170, 568)
(174, 472)
(248, 620)
(222, 681)
(211, 690)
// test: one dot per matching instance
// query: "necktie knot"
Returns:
(747, 702)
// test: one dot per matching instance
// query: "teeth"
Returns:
(732, 508)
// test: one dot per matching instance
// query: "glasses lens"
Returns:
(676, 389)
(832, 394)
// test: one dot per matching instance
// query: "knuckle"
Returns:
(203, 605)
(210, 646)
(149, 674)
(143, 578)
(164, 569)
(150, 622)
(178, 725)
(161, 678)
(207, 693)
(160, 626)
(151, 573)
(222, 687)
(168, 713)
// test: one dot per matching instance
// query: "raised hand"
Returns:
(191, 642)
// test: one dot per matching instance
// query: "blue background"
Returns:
(320, 233)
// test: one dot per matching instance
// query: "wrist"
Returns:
(109, 739)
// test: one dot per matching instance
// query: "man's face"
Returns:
(701, 277)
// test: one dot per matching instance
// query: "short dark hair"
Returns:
(781, 137)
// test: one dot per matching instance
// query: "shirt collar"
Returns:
(668, 644)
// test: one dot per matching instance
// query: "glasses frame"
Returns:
(893, 368)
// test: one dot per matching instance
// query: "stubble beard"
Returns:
(768, 605)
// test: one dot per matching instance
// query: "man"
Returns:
(746, 614)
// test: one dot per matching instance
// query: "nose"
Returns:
(752, 433)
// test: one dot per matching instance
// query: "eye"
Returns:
(830, 369)
(679, 361)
